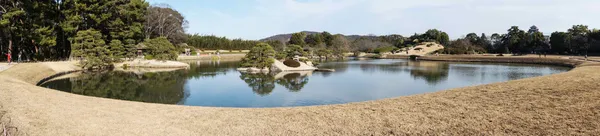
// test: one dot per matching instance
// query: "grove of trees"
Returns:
(211, 42)
(98, 32)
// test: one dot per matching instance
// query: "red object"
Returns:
(8, 56)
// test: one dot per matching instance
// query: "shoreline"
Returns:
(210, 57)
(564, 103)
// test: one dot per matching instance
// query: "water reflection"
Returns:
(218, 83)
(293, 81)
(164, 87)
(432, 72)
(261, 84)
(429, 71)
(209, 69)
(264, 83)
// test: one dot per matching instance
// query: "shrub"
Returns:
(324, 52)
(280, 55)
(315, 63)
(291, 63)
(293, 50)
(148, 57)
(304, 59)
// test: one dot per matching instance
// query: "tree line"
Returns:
(96, 31)
(211, 42)
(323, 43)
(105, 31)
(578, 40)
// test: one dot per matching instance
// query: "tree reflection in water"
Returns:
(432, 72)
(294, 81)
(163, 87)
(263, 83)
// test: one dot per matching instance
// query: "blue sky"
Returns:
(256, 19)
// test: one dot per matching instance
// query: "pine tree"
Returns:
(260, 56)
(89, 44)
(298, 39)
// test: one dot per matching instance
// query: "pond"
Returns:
(218, 84)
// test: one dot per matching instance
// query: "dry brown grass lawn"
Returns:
(559, 104)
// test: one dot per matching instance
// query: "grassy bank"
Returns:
(559, 104)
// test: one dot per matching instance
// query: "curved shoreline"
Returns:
(559, 104)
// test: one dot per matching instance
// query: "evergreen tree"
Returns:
(559, 42)
(594, 40)
(473, 38)
(89, 45)
(298, 39)
(536, 40)
(161, 49)
(260, 56)
(314, 40)
(277, 45)
(578, 37)
(444, 38)
(327, 38)
(292, 50)
(117, 49)
(212, 42)
(515, 39)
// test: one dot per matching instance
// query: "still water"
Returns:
(218, 84)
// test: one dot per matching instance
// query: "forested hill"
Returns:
(286, 37)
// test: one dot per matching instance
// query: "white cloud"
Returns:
(457, 17)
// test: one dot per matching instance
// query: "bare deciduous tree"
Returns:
(163, 21)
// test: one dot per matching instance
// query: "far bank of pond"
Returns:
(218, 84)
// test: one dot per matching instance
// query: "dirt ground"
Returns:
(4, 66)
(560, 104)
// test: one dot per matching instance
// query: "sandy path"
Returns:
(559, 104)
(4, 66)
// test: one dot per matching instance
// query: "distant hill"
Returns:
(286, 37)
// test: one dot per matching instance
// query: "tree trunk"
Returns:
(9, 45)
